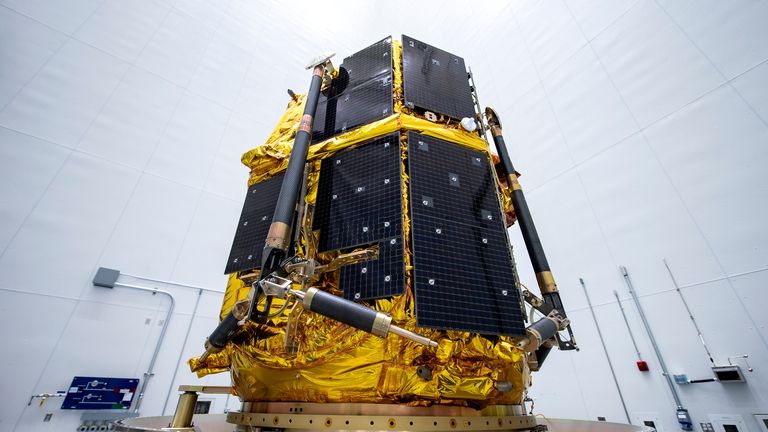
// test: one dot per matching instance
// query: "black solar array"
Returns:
(361, 94)
(359, 203)
(252, 229)
(377, 278)
(435, 80)
(463, 274)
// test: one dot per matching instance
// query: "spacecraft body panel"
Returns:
(302, 356)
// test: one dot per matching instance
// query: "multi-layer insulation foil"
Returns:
(332, 362)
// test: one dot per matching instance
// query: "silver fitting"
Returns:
(381, 324)
(539, 332)
(320, 60)
(302, 270)
(275, 286)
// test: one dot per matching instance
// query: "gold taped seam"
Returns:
(444, 132)
(306, 123)
(271, 158)
(546, 282)
(397, 75)
(277, 236)
(514, 184)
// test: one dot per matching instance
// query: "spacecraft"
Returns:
(372, 284)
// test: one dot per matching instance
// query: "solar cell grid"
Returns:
(359, 202)
(358, 197)
(361, 94)
(463, 273)
(370, 62)
(435, 80)
(255, 218)
(364, 104)
(470, 186)
(319, 124)
(381, 277)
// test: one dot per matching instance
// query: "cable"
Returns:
(181, 351)
(282, 309)
(605, 349)
(688, 309)
(150, 370)
(629, 329)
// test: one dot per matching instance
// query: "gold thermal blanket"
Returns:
(337, 363)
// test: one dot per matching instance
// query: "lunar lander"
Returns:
(372, 285)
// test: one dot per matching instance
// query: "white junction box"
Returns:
(728, 423)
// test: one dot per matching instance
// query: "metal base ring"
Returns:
(333, 422)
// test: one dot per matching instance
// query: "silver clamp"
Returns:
(303, 270)
(274, 286)
(320, 60)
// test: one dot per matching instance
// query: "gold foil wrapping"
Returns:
(336, 363)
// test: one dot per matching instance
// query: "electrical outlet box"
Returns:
(106, 277)
(729, 374)
(203, 406)
(728, 423)
(762, 421)
(650, 419)
(681, 379)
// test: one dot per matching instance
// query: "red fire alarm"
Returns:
(642, 366)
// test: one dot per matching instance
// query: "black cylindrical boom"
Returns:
(221, 334)
(356, 315)
(544, 278)
(525, 220)
(350, 313)
(279, 236)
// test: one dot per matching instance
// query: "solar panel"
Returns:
(253, 226)
(377, 278)
(463, 270)
(325, 118)
(435, 80)
(359, 203)
(364, 104)
(361, 94)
